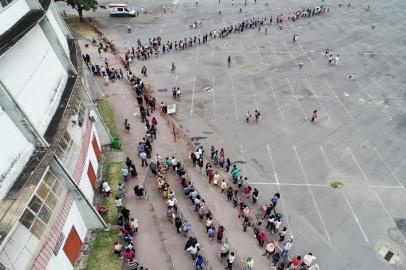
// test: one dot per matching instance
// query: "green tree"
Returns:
(81, 5)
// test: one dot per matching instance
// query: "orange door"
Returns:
(96, 148)
(91, 174)
(72, 246)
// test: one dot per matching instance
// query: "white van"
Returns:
(121, 10)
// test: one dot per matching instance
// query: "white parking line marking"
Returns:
(276, 100)
(197, 55)
(162, 28)
(355, 216)
(383, 89)
(193, 96)
(253, 93)
(376, 194)
(325, 157)
(387, 166)
(260, 56)
(291, 55)
(298, 102)
(342, 104)
(244, 165)
(214, 101)
(318, 100)
(272, 163)
(312, 195)
(346, 199)
(276, 56)
(307, 55)
(359, 166)
(243, 52)
(389, 216)
(234, 99)
(279, 190)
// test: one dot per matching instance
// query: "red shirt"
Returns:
(296, 262)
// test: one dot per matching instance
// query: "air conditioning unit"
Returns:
(92, 116)
(75, 119)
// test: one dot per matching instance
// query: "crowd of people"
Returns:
(268, 230)
(154, 46)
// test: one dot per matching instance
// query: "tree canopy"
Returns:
(81, 5)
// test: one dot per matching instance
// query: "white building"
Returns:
(50, 140)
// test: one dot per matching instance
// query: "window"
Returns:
(119, 9)
(64, 145)
(4, 3)
(80, 110)
(39, 210)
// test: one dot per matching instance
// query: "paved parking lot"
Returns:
(359, 138)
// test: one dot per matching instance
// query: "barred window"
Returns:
(41, 206)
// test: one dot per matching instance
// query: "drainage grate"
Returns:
(389, 255)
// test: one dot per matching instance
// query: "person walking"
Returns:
(314, 116)
(294, 38)
(223, 185)
(229, 61)
(308, 259)
(257, 114)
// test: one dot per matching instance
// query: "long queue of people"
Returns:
(154, 46)
(242, 196)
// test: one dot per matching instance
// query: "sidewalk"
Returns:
(150, 251)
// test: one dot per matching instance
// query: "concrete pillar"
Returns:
(15, 112)
(60, 20)
(57, 46)
(92, 218)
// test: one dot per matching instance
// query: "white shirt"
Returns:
(209, 222)
(193, 249)
(308, 259)
(231, 258)
(172, 202)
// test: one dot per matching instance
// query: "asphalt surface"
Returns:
(358, 138)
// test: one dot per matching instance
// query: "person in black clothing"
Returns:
(126, 214)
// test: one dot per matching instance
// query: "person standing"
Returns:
(250, 263)
(124, 172)
(223, 185)
(229, 61)
(255, 195)
(282, 234)
(308, 259)
(143, 157)
(286, 247)
(227, 165)
(235, 172)
(230, 260)
(294, 38)
(220, 233)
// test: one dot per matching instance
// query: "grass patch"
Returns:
(102, 256)
(336, 184)
(113, 178)
(107, 114)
